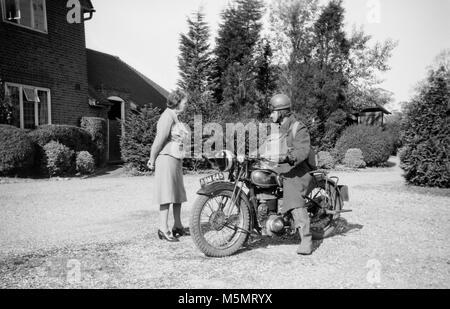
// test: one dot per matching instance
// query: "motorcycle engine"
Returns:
(275, 225)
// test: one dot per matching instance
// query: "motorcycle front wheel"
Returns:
(219, 225)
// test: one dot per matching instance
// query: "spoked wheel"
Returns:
(219, 225)
(324, 195)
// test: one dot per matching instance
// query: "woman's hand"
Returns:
(151, 165)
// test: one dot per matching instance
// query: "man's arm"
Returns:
(301, 146)
(162, 135)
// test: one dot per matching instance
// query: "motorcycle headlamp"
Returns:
(224, 160)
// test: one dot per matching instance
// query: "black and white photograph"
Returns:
(251, 146)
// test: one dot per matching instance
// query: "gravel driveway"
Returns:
(101, 232)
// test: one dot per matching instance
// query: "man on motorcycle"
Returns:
(294, 168)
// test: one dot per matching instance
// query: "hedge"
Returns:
(425, 157)
(76, 139)
(371, 140)
(17, 151)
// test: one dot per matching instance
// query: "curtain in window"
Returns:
(12, 10)
(39, 15)
(28, 112)
(25, 9)
(43, 107)
(29, 13)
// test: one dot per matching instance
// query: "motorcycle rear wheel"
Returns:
(220, 233)
(325, 191)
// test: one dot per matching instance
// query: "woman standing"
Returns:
(167, 160)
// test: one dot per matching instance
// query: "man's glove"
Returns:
(291, 158)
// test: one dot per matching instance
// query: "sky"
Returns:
(146, 34)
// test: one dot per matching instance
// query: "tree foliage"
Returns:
(236, 58)
(195, 66)
(324, 69)
(426, 134)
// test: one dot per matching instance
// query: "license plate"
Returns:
(211, 179)
(344, 193)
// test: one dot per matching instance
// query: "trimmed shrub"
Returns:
(136, 143)
(17, 151)
(354, 159)
(373, 142)
(426, 136)
(85, 163)
(75, 138)
(97, 127)
(58, 160)
(325, 160)
(72, 137)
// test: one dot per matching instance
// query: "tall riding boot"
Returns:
(302, 222)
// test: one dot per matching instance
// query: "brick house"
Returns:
(44, 69)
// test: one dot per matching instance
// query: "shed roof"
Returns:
(377, 108)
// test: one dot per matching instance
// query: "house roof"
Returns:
(87, 5)
(107, 72)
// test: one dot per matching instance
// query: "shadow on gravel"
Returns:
(343, 228)
(109, 170)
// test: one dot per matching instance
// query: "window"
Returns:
(32, 106)
(26, 13)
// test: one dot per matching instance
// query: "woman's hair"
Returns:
(175, 98)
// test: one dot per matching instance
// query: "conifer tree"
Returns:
(195, 67)
(235, 71)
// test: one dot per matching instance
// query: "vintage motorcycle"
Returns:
(249, 201)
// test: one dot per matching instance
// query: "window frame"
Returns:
(5, 20)
(36, 104)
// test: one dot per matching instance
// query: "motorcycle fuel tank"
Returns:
(264, 178)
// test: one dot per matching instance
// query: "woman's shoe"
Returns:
(181, 232)
(166, 237)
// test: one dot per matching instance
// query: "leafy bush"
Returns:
(17, 151)
(373, 142)
(6, 108)
(354, 159)
(426, 136)
(85, 163)
(98, 129)
(325, 160)
(335, 124)
(75, 138)
(140, 131)
(58, 160)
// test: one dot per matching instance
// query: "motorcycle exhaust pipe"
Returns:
(336, 212)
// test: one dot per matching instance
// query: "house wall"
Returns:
(56, 60)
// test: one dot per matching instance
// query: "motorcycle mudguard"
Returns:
(214, 188)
